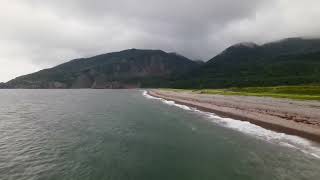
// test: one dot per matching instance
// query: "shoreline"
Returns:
(289, 122)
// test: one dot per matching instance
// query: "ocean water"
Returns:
(128, 135)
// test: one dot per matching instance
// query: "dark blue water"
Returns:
(121, 135)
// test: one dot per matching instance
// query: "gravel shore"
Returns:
(301, 118)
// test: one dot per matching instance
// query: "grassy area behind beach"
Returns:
(302, 92)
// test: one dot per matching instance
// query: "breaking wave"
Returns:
(290, 141)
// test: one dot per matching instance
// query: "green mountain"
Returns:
(126, 69)
(290, 61)
(287, 62)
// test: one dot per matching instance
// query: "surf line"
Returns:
(291, 141)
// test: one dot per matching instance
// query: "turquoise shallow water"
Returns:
(122, 135)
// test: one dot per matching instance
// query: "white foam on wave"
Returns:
(145, 94)
(170, 103)
(290, 141)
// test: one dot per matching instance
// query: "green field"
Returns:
(305, 92)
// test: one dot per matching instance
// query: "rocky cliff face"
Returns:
(3, 85)
(126, 69)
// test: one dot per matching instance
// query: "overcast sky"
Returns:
(37, 34)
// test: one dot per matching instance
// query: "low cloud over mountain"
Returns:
(36, 34)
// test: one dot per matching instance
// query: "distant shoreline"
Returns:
(285, 116)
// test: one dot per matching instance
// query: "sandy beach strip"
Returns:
(301, 118)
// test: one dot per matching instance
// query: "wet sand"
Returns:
(301, 118)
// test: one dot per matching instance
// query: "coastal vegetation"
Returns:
(301, 92)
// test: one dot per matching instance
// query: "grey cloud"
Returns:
(39, 34)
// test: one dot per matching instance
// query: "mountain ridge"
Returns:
(124, 69)
(288, 61)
